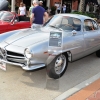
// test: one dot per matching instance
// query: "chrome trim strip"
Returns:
(12, 63)
(16, 60)
(34, 67)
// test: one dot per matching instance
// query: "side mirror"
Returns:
(74, 32)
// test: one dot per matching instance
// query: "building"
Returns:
(73, 3)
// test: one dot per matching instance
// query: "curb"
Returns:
(77, 87)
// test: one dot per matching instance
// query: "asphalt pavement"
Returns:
(17, 84)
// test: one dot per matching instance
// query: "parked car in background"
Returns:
(4, 5)
(11, 21)
(29, 48)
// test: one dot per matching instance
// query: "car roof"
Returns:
(76, 16)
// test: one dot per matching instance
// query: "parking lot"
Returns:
(17, 84)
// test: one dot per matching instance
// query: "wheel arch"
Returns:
(68, 55)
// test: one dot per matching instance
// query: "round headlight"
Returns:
(28, 53)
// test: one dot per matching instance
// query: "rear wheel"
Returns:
(57, 67)
(98, 53)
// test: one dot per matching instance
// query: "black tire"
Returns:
(51, 69)
(98, 53)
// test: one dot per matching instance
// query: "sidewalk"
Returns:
(91, 92)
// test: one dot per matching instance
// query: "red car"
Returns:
(11, 21)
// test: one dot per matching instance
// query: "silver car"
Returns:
(75, 36)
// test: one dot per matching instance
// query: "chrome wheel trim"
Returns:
(60, 64)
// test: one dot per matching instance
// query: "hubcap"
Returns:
(60, 64)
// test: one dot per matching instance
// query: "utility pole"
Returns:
(13, 6)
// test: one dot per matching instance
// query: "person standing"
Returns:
(22, 9)
(30, 10)
(87, 7)
(64, 8)
(56, 4)
(41, 3)
(38, 15)
(95, 7)
(91, 9)
(58, 8)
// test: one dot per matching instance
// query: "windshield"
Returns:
(1, 0)
(6, 16)
(64, 22)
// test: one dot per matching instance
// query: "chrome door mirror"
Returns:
(74, 32)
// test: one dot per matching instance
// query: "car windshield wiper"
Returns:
(53, 26)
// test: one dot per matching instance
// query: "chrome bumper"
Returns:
(33, 67)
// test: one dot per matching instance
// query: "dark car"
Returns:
(4, 5)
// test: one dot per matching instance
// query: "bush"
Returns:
(53, 8)
(85, 13)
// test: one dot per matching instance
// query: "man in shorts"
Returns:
(39, 15)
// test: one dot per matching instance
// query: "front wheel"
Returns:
(57, 67)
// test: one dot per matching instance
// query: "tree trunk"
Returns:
(81, 5)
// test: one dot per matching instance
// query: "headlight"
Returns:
(28, 53)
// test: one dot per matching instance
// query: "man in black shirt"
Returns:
(41, 4)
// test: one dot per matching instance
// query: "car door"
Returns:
(91, 36)
(5, 21)
(4, 28)
(19, 25)
(73, 38)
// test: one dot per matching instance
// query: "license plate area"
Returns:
(3, 66)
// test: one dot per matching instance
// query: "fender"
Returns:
(52, 56)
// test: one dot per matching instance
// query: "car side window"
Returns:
(95, 25)
(77, 24)
(88, 25)
(70, 23)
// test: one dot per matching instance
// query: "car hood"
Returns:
(27, 37)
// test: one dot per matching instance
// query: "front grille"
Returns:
(15, 57)
(16, 62)
(14, 54)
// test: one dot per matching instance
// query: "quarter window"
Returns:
(95, 25)
(90, 25)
